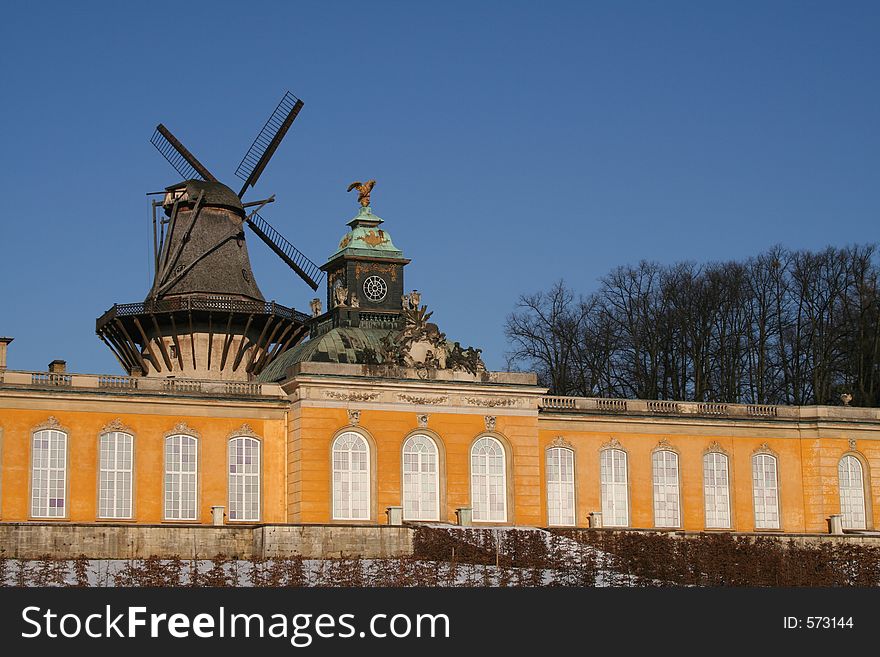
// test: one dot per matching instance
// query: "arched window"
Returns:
(615, 498)
(421, 483)
(560, 486)
(716, 489)
(766, 491)
(49, 474)
(181, 477)
(488, 481)
(852, 493)
(116, 450)
(244, 478)
(351, 477)
(664, 465)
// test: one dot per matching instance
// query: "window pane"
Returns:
(666, 494)
(716, 492)
(244, 479)
(488, 481)
(181, 478)
(852, 493)
(351, 477)
(765, 491)
(615, 498)
(420, 479)
(49, 474)
(560, 486)
(115, 475)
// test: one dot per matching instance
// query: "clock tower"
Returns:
(365, 274)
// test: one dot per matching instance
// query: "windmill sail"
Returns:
(295, 259)
(184, 162)
(261, 151)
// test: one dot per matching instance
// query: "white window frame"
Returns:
(765, 486)
(49, 474)
(181, 478)
(560, 473)
(115, 475)
(421, 484)
(488, 487)
(716, 490)
(666, 478)
(348, 473)
(853, 510)
(244, 488)
(615, 489)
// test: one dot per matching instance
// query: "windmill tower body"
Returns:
(204, 316)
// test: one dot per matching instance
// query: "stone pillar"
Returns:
(464, 516)
(4, 343)
(595, 519)
(217, 514)
(395, 515)
(835, 524)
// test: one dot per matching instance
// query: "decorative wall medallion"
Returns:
(115, 425)
(491, 402)
(375, 268)
(51, 423)
(852, 444)
(354, 416)
(714, 447)
(415, 399)
(244, 430)
(559, 441)
(352, 396)
(490, 422)
(423, 420)
(614, 443)
(663, 445)
(182, 428)
(764, 448)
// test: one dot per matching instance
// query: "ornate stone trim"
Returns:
(422, 420)
(852, 444)
(52, 424)
(764, 448)
(663, 445)
(614, 443)
(559, 441)
(182, 428)
(491, 402)
(116, 425)
(354, 416)
(715, 447)
(244, 431)
(427, 401)
(352, 396)
(490, 422)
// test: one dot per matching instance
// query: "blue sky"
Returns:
(513, 143)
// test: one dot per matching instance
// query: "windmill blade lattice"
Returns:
(261, 151)
(184, 162)
(295, 259)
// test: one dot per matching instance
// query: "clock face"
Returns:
(375, 288)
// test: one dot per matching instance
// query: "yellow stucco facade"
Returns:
(298, 422)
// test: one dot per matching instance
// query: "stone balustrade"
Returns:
(134, 385)
(556, 404)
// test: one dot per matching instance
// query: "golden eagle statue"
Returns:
(364, 189)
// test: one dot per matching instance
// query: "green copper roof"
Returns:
(366, 238)
(339, 345)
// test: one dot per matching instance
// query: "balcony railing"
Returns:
(135, 385)
(556, 403)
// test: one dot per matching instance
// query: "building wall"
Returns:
(297, 425)
(85, 419)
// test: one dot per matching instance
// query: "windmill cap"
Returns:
(216, 193)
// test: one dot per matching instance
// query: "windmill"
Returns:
(204, 316)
